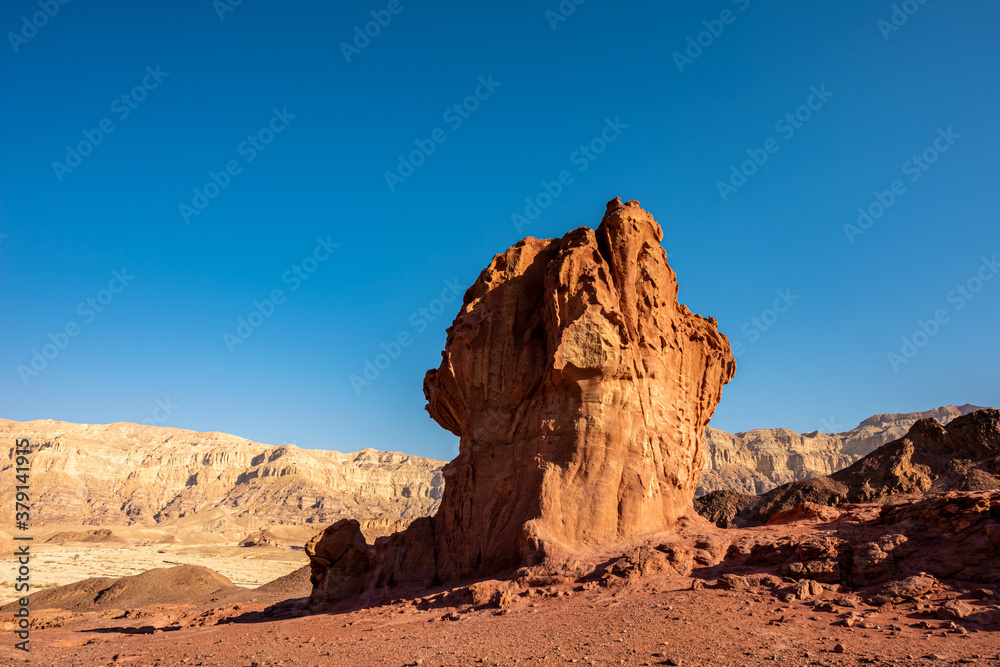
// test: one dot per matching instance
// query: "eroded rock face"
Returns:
(581, 390)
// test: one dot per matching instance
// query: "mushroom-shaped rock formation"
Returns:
(580, 389)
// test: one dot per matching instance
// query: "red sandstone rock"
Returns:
(581, 390)
(340, 561)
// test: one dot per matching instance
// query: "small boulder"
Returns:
(807, 588)
(733, 582)
(954, 610)
(912, 587)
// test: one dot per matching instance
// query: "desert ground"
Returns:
(663, 622)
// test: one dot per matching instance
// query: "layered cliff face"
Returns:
(580, 389)
(756, 461)
(127, 474)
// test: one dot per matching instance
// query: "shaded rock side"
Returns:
(931, 458)
(339, 560)
(910, 544)
(580, 389)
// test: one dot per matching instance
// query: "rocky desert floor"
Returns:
(659, 623)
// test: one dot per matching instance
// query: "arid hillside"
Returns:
(756, 461)
(210, 487)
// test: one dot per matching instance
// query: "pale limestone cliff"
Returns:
(127, 474)
(756, 461)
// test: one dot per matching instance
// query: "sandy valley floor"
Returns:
(59, 564)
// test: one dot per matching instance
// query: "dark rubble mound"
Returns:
(930, 458)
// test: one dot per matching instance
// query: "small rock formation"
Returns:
(580, 389)
(931, 458)
(756, 461)
(340, 560)
(87, 536)
(260, 538)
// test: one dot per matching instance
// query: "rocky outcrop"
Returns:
(580, 389)
(260, 538)
(340, 560)
(931, 458)
(756, 461)
(900, 548)
(211, 483)
(101, 535)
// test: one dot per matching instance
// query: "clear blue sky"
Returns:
(317, 170)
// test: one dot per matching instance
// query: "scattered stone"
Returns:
(954, 609)
(912, 587)
(807, 588)
(733, 582)
(847, 601)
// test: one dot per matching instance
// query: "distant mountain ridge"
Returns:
(210, 486)
(756, 461)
